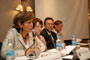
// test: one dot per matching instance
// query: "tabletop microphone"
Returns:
(34, 35)
(33, 32)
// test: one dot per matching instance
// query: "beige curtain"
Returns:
(73, 13)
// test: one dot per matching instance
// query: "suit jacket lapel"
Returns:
(21, 40)
(51, 38)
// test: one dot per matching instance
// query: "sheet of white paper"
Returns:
(21, 58)
(83, 53)
(53, 56)
(68, 57)
(69, 49)
(52, 50)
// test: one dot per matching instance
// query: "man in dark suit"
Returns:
(48, 34)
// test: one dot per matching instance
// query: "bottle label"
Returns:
(58, 45)
(74, 42)
(10, 52)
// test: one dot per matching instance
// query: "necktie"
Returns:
(52, 40)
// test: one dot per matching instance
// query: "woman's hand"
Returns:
(30, 51)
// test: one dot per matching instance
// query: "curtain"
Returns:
(73, 13)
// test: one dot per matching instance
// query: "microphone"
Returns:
(33, 32)
(34, 35)
(34, 41)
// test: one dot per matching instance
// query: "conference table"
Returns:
(53, 54)
(69, 53)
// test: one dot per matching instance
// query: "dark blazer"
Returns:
(48, 39)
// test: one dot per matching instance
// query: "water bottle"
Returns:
(58, 43)
(10, 51)
(74, 40)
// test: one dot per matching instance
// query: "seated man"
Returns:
(58, 25)
(48, 34)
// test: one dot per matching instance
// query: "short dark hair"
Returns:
(22, 17)
(48, 18)
(57, 22)
(35, 20)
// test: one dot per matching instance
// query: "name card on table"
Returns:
(54, 56)
(83, 53)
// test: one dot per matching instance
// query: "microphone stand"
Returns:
(34, 44)
(34, 40)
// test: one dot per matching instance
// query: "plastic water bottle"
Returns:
(10, 51)
(74, 40)
(58, 43)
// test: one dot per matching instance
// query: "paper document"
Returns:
(22, 58)
(55, 56)
(83, 53)
(69, 49)
(68, 57)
